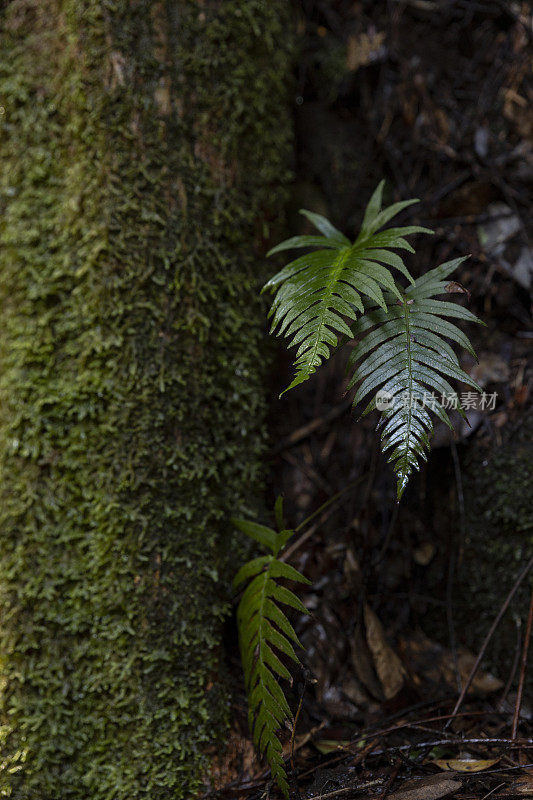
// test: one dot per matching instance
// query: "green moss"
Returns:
(143, 147)
(499, 541)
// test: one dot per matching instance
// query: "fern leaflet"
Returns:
(404, 360)
(316, 292)
(263, 630)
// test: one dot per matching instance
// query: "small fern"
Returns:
(347, 290)
(317, 291)
(405, 357)
(263, 629)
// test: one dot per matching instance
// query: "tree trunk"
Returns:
(145, 150)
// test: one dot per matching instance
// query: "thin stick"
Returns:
(331, 500)
(348, 789)
(394, 774)
(309, 471)
(306, 430)
(452, 563)
(523, 668)
(514, 666)
(493, 791)
(295, 723)
(459, 742)
(488, 637)
(305, 536)
(361, 755)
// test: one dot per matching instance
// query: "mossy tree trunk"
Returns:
(144, 153)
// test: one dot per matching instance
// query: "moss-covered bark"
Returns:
(499, 542)
(144, 149)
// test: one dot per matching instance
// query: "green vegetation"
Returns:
(404, 345)
(404, 355)
(262, 627)
(315, 291)
(137, 158)
(402, 360)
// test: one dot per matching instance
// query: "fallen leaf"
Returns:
(430, 788)
(431, 662)
(365, 49)
(491, 368)
(388, 666)
(457, 288)
(523, 268)
(465, 764)
(484, 682)
(424, 553)
(502, 226)
(326, 746)
(522, 787)
(237, 760)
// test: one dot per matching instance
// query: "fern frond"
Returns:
(264, 634)
(404, 361)
(316, 292)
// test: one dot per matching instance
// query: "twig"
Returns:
(369, 748)
(424, 5)
(514, 665)
(293, 733)
(305, 536)
(508, 9)
(308, 471)
(493, 791)
(510, 744)
(452, 564)
(488, 637)
(306, 430)
(357, 760)
(296, 716)
(506, 769)
(348, 789)
(388, 537)
(523, 667)
(390, 782)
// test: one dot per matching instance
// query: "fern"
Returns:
(404, 353)
(316, 292)
(263, 630)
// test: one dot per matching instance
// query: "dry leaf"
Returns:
(430, 788)
(237, 760)
(457, 288)
(363, 663)
(387, 664)
(326, 746)
(484, 682)
(432, 662)
(364, 49)
(522, 787)
(465, 764)
(424, 553)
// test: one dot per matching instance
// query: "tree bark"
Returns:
(145, 153)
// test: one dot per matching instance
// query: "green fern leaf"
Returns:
(264, 631)
(404, 361)
(317, 292)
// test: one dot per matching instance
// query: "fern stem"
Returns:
(407, 326)
(333, 280)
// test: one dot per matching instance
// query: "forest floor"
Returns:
(436, 97)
